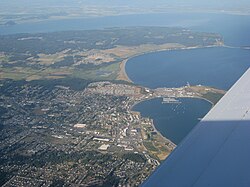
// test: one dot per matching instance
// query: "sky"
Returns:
(138, 3)
(124, 2)
(14, 7)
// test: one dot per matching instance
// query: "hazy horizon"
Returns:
(26, 6)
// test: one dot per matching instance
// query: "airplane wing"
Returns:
(216, 153)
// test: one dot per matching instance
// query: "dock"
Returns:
(170, 100)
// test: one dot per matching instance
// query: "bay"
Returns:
(217, 67)
(174, 121)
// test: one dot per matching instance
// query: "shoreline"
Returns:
(155, 129)
(122, 74)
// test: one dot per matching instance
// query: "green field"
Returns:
(149, 146)
(213, 97)
(108, 72)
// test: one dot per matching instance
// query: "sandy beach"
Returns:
(122, 75)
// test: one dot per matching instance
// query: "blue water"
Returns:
(217, 67)
(174, 120)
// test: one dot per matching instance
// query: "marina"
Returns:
(170, 100)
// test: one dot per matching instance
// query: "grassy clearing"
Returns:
(149, 146)
(16, 73)
(213, 97)
(108, 72)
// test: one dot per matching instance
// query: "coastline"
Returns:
(122, 74)
(162, 139)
